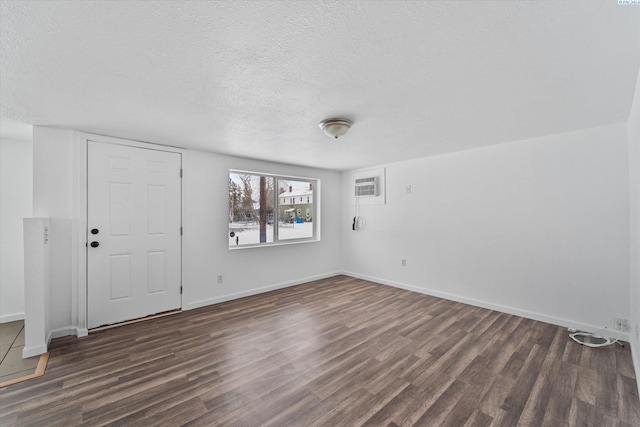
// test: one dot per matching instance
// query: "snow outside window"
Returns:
(259, 202)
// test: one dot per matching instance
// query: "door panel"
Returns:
(134, 201)
(156, 279)
(155, 209)
(120, 209)
(119, 277)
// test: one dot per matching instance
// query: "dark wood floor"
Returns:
(336, 352)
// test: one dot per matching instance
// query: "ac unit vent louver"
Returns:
(367, 187)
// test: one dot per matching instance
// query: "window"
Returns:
(263, 209)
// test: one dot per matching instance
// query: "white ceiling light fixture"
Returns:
(335, 128)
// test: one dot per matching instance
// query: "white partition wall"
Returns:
(36, 274)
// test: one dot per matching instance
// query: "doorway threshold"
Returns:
(138, 320)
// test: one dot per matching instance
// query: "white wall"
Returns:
(15, 204)
(247, 271)
(634, 197)
(538, 227)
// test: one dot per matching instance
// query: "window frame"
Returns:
(315, 202)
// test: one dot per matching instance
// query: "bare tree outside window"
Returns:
(255, 209)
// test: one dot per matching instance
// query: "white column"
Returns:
(36, 278)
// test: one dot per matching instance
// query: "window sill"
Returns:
(268, 245)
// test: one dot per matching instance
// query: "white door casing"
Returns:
(134, 204)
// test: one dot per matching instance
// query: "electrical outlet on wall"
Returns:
(403, 262)
(220, 278)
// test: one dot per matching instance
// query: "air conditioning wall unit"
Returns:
(366, 187)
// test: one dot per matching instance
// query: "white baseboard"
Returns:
(66, 331)
(203, 303)
(6, 318)
(56, 333)
(567, 323)
(33, 351)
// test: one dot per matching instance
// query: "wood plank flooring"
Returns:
(335, 352)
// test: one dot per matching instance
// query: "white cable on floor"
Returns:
(606, 341)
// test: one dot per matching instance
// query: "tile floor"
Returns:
(12, 365)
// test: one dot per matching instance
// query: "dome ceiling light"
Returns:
(335, 128)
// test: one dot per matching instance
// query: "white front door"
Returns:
(134, 243)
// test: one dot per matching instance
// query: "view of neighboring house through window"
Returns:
(257, 202)
(295, 218)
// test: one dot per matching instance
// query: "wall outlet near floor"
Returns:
(403, 262)
(220, 279)
(622, 324)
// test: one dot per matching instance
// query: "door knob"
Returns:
(94, 231)
(95, 244)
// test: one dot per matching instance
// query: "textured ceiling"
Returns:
(253, 79)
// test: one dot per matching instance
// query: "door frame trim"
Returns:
(79, 302)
